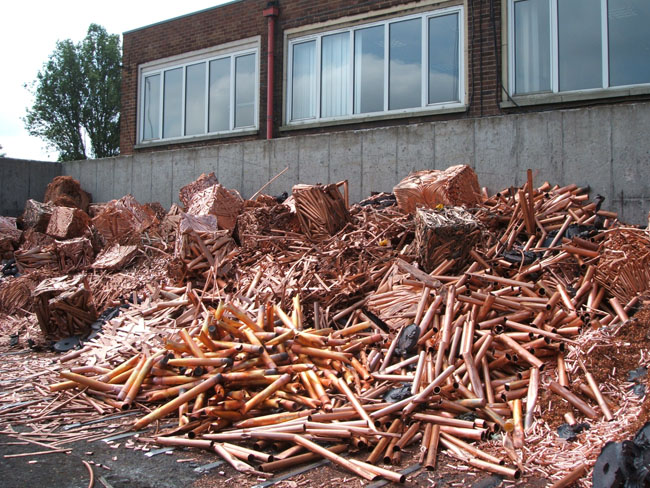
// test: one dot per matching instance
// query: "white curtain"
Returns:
(335, 75)
(532, 46)
(303, 81)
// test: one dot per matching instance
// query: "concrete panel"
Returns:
(207, 161)
(415, 148)
(495, 150)
(539, 146)
(105, 180)
(15, 186)
(88, 176)
(256, 166)
(184, 162)
(314, 159)
(630, 210)
(283, 154)
(72, 168)
(231, 166)
(123, 176)
(161, 178)
(345, 161)
(630, 155)
(587, 150)
(454, 143)
(142, 177)
(379, 161)
(40, 175)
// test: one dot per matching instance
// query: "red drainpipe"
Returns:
(270, 12)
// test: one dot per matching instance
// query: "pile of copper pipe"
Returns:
(489, 336)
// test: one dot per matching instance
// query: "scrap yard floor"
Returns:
(119, 461)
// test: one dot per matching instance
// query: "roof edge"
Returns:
(181, 17)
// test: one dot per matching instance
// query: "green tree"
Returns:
(77, 97)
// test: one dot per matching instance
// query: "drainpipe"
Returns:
(270, 12)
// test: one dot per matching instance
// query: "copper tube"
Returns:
(234, 462)
(125, 366)
(134, 374)
(320, 391)
(419, 370)
(562, 376)
(531, 399)
(89, 382)
(521, 351)
(407, 436)
(471, 449)
(376, 453)
(487, 383)
(474, 377)
(272, 419)
(474, 434)
(267, 392)
(495, 468)
(618, 308)
(573, 399)
(599, 396)
(424, 394)
(174, 404)
(426, 439)
(432, 448)
(137, 383)
(63, 385)
(455, 342)
(571, 477)
(439, 420)
(283, 463)
(193, 346)
(320, 353)
(343, 388)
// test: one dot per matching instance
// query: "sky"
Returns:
(28, 35)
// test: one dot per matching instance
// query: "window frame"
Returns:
(605, 89)
(424, 107)
(232, 51)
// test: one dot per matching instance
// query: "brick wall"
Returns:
(243, 19)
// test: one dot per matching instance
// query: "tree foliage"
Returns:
(77, 97)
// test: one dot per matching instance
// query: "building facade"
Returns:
(204, 79)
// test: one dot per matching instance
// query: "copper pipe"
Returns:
(267, 392)
(471, 449)
(432, 448)
(495, 468)
(89, 382)
(515, 346)
(618, 308)
(287, 462)
(573, 399)
(562, 376)
(174, 404)
(596, 392)
(407, 436)
(571, 477)
(376, 453)
(531, 399)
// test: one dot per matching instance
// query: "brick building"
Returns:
(202, 79)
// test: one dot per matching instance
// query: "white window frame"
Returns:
(424, 107)
(555, 53)
(233, 51)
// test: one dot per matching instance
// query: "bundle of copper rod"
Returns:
(438, 360)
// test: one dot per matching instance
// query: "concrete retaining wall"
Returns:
(22, 179)
(605, 147)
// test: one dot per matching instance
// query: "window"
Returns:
(203, 94)
(569, 45)
(405, 64)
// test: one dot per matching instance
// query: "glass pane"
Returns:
(629, 42)
(405, 55)
(369, 70)
(532, 46)
(195, 100)
(580, 45)
(335, 74)
(172, 103)
(219, 103)
(151, 115)
(245, 91)
(443, 58)
(303, 81)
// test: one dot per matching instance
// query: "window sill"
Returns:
(186, 140)
(373, 118)
(575, 96)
